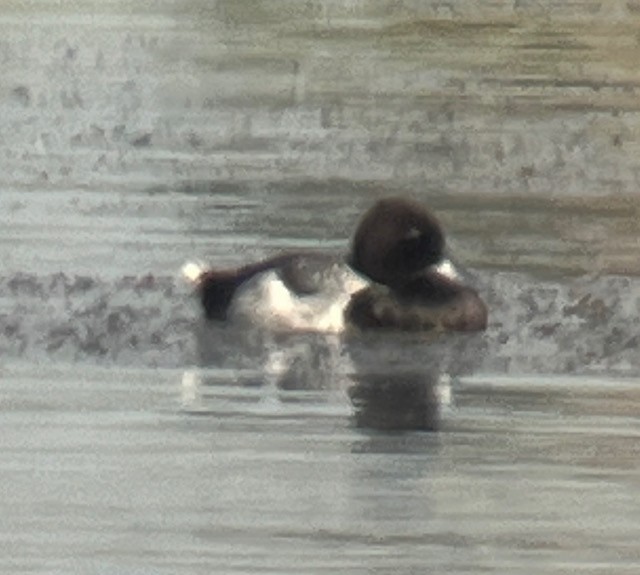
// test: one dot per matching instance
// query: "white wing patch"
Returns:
(269, 302)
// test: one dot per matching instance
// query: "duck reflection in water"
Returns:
(399, 401)
(317, 314)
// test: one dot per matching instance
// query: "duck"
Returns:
(395, 277)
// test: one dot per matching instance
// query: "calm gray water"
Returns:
(135, 438)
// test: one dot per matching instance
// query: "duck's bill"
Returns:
(447, 269)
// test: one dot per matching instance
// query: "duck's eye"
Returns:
(413, 234)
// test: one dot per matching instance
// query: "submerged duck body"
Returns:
(392, 279)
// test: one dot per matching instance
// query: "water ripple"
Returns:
(586, 326)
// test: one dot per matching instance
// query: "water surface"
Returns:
(138, 439)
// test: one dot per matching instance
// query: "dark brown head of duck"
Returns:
(396, 239)
(398, 244)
